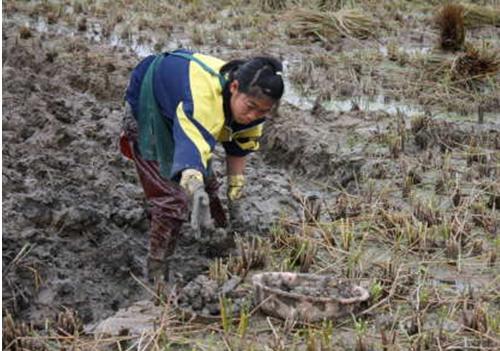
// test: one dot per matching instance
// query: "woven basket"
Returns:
(275, 301)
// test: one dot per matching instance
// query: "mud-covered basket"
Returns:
(306, 297)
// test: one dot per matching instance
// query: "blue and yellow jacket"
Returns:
(191, 108)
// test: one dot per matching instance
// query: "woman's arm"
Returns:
(235, 165)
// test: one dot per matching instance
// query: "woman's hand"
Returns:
(235, 177)
(235, 185)
(191, 180)
(201, 219)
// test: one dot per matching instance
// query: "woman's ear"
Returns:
(233, 86)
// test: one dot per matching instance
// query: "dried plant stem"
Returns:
(388, 297)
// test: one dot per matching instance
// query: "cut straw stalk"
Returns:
(329, 25)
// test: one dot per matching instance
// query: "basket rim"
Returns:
(257, 281)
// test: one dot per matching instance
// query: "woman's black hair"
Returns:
(257, 76)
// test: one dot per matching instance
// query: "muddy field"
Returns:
(381, 167)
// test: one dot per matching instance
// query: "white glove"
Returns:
(191, 180)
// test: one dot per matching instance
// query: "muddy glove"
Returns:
(237, 214)
(201, 220)
(235, 184)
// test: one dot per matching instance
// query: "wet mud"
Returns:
(75, 225)
(202, 296)
(404, 199)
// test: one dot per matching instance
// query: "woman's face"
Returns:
(246, 108)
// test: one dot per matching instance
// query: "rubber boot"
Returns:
(162, 242)
(168, 203)
(156, 270)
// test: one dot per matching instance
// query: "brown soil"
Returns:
(410, 200)
(75, 228)
(203, 295)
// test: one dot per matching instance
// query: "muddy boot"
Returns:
(168, 207)
(162, 242)
(156, 270)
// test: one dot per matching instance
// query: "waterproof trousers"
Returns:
(168, 204)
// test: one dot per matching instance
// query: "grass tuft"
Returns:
(450, 20)
(477, 16)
